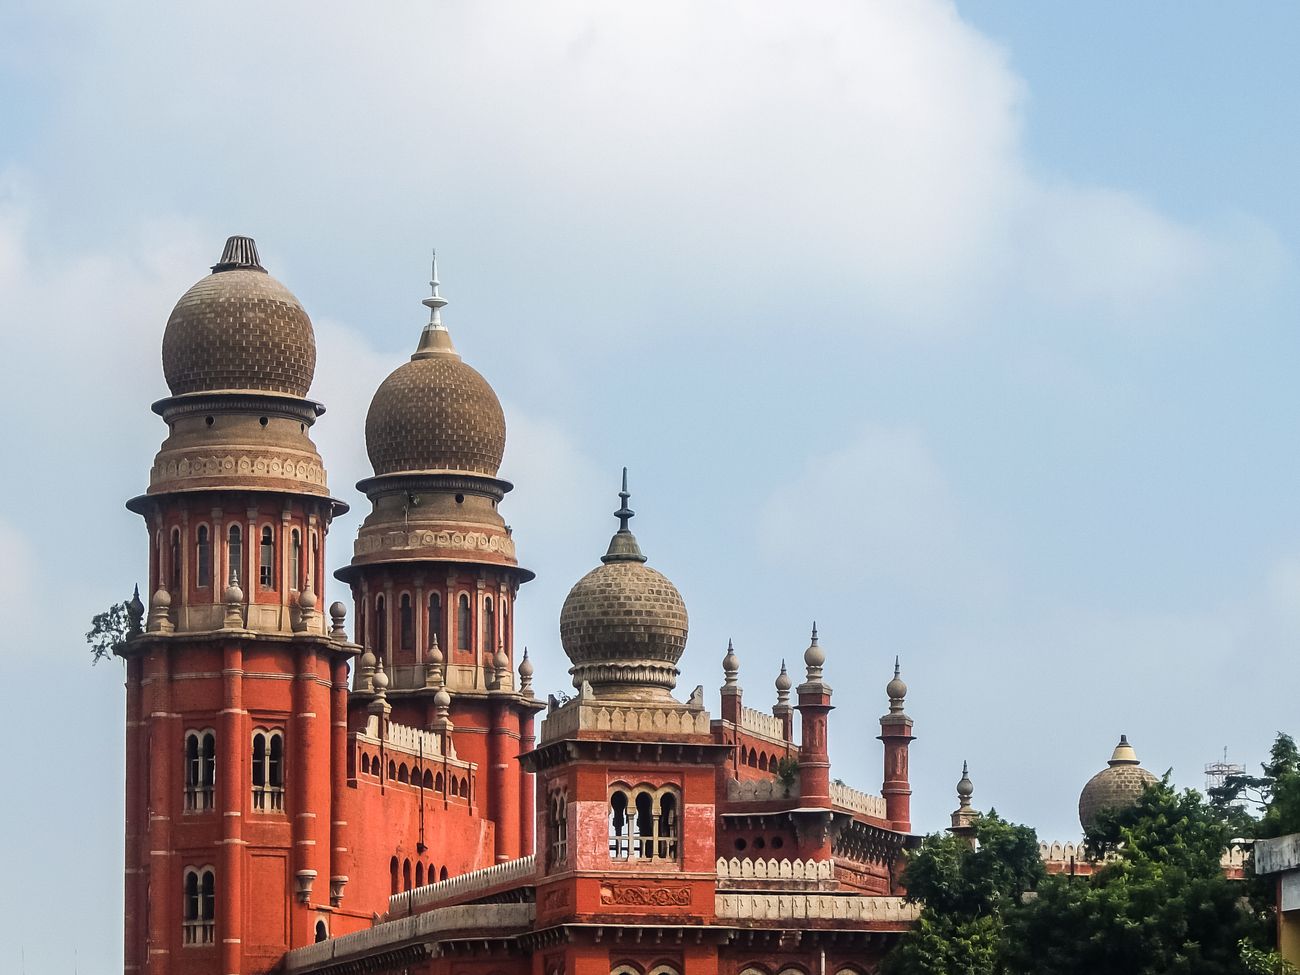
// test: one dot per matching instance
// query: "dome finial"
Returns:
(623, 546)
(730, 665)
(897, 690)
(239, 252)
(435, 339)
(965, 788)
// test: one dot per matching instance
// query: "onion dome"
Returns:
(435, 413)
(1115, 787)
(239, 329)
(624, 625)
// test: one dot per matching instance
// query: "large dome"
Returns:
(1115, 787)
(239, 328)
(624, 624)
(435, 413)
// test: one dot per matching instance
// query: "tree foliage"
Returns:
(108, 632)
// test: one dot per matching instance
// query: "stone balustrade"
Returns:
(466, 886)
(414, 740)
(762, 723)
(855, 801)
(428, 926)
(794, 908)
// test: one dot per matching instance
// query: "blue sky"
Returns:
(967, 331)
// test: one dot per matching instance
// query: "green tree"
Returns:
(1274, 796)
(108, 632)
(966, 895)
(1158, 904)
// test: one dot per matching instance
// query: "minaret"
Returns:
(234, 685)
(814, 710)
(963, 817)
(731, 692)
(782, 709)
(896, 733)
(434, 574)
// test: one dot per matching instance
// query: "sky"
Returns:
(967, 331)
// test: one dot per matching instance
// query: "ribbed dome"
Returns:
(1116, 786)
(435, 413)
(624, 624)
(239, 328)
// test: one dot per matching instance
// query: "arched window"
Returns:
(295, 560)
(365, 764)
(199, 907)
(419, 874)
(427, 781)
(406, 622)
(266, 559)
(234, 554)
(406, 875)
(437, 783)
(402, 774)
(392, 769)
(200, 771)
(381, 626)
(322, 932)
(442, 874)
(435, 620)
(558, 826)
(489, 628)
(619, 842)
(654, 813)
(315, 562)
(666, 827)
(762, 762)
(463, 623)
(268, 770)
(176, 561)
(203, 558)
(392, 875)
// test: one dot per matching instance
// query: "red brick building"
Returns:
(299, 801)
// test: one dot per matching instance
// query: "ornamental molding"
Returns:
(205, 464)
(644, 895)
(390, 541)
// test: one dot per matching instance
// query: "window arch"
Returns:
(489, 628)
(406, 874)
(175, 560)
(643, 823)
(268, 770)
(313, 568)
(234, 553)
(295, 560)
(442, 874)
(266, 559)
(199, 907)
(558, 827)
(402, 774)
(435, 619)
(419, 874)
(392, 769)
(392, 874)
(463, 622)
(381, 625)
(427, 781)
(365, 764)
(203, 558)
(200, 770)
(438, 783)
(406, 622)
(322, 932)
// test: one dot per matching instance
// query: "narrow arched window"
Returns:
(489, 628)
(198, 910)
(419, 874)
(192, 771)
(406, 622)
(295, 560)
(200, 770)
(322, 932)
(403, 774)
(234, 554)
(645, 825)
(558, 825)
(406, 875)
(392, 875)
(666, 827)
(208, 771)
(435, 620)
(203, 558)
(313, 571)
(268, 771)
(442, 874)
(381, 626)
(365, 764)
(619, 841)
(463, 623)
(266, 559)
(438, 783)
(176, 560)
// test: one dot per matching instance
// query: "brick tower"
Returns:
(234, 681)
(434, 579)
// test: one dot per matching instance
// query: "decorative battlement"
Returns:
(792, 908)
(582, 714)
(760, 790)
(737, 872)
(413, 741)
(1234, 857)
(855, 801)
(762, 723)
(408, 930)
(467, 885)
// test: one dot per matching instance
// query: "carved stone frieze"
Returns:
(644, 895)
(368, 544)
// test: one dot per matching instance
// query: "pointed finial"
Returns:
(435, 339)
(814, 632)
(435, 302)
(783, 685)
(730, 665)
(897, 690)
(814, 658)
(965, 788)
(623, 546)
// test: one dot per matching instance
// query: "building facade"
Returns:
(301, 800)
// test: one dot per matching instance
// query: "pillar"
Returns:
(896, 733)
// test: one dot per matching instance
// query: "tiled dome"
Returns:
(1116, 786)
(239, 328)
(435, 413)
(624, 624)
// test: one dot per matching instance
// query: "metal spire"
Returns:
(435, 339)
(435, 302)
(623, 546)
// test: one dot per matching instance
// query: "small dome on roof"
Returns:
(1116, 786)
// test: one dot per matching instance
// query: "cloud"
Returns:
(874, 152)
